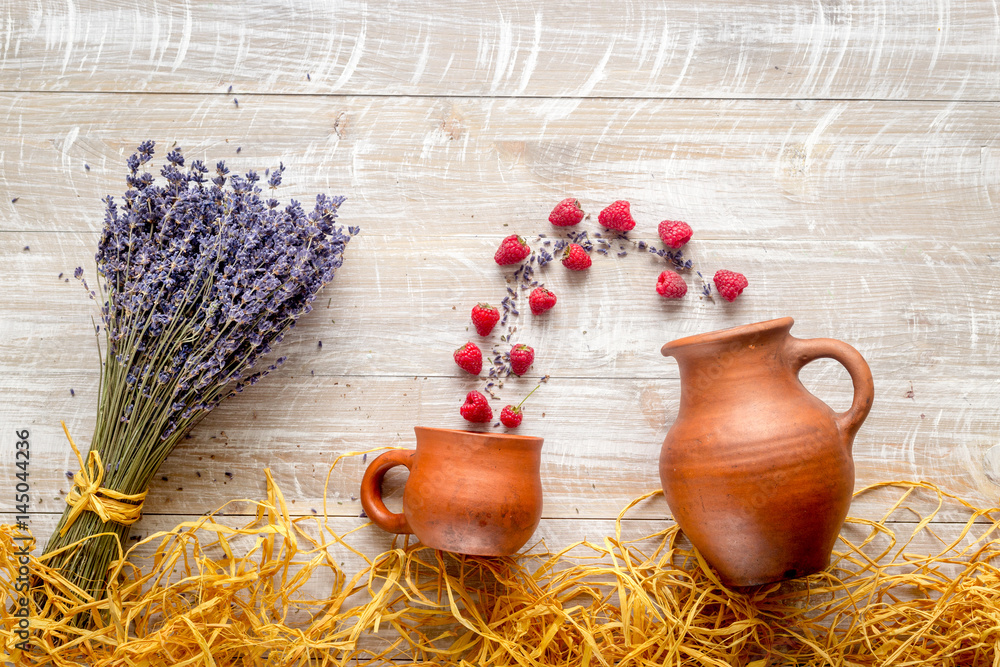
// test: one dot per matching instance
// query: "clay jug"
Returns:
(758, 471)
(470, 493)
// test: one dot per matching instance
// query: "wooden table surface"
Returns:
(845, 156)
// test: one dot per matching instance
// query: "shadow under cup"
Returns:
(470, 493)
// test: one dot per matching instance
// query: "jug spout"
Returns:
(721, 362)
(747, 338)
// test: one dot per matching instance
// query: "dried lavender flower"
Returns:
(200, 278)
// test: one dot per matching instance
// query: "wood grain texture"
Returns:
(402, 306)
(298, 427)
(896, 49)
(765, 171)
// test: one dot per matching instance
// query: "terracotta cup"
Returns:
(470, 493)
(757, 470)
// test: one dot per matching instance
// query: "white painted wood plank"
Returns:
(602, 439)
(423, 166)
(892, 49)
(918, 310)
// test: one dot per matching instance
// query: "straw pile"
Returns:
(218, 595)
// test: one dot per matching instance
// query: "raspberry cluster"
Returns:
(574, 252)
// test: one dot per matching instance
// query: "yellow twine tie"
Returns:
(88, 494)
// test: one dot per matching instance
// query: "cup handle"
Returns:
(809, 349)
(371, 490)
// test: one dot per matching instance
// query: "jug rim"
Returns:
(486, 434)
(726, 334)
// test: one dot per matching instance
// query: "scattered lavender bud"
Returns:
(86, 166)
(27, 248)
(319, 344)
(236, 101)
(71, 392)
(238, 149)
(14, 200)
(230, 90)
(308, 78)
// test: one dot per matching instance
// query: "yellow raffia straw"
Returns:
(214, 594)
(88, 494)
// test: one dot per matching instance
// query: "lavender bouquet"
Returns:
(198, 280)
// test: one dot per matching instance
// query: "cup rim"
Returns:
(726, 334)
(485, 434)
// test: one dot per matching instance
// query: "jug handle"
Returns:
(804, 350)
(371, 490)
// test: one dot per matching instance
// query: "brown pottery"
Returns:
(470, 493)
(757, 470)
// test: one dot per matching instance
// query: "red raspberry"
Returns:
(576, 258)
(674, 233)
(512, 250)
(521, 357)
(485, 317)
(671, 285)
(476, 408)
(617, 217)
(730, 284)
(511, 416)
(566, 213)
(541, 300)
(469, 358)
